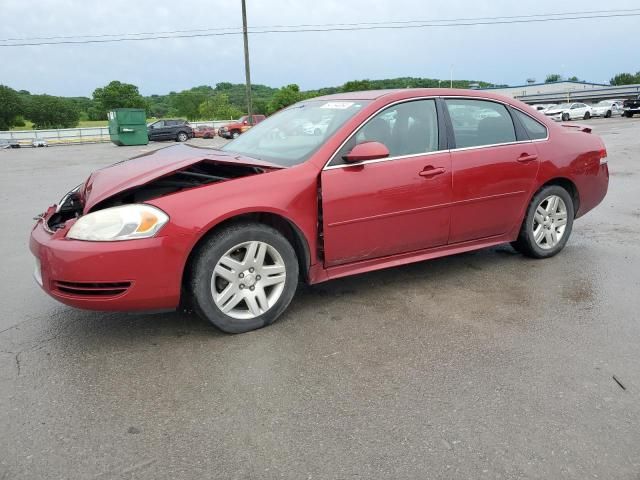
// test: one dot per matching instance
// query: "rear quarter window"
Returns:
(535, 129)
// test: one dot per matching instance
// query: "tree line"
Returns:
(224, 101)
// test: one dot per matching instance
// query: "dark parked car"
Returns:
(631, 107)
(398, 176)
(171, 129)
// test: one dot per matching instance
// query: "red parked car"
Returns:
(204, 131)
(235, 128)
(398, 176)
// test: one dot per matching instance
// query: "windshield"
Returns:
(563, 106)
(292, 135)
(605, 103)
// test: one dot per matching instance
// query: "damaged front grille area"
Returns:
(201, 173)
(69, 207)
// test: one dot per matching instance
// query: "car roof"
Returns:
(403, 93)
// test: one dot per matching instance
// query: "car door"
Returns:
(156, 130)
(494, 168)
(393, 205)
(578, 110)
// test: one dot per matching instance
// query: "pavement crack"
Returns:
(18, 367)
(619, 382)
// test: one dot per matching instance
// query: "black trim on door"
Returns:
(444, 124)
(521, 132)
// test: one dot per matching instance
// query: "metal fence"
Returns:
(75, 136)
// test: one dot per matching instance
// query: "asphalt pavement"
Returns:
(485, 365)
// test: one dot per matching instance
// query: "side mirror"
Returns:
(245, 123)
(367, 151)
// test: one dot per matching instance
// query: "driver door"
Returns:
(394, 205)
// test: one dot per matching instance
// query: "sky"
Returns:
(594, 49)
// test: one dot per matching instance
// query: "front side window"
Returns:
(535, 129)
(408, 128)
(158, 124)
(480, 122)
(292, 135)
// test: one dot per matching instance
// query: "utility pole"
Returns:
(247, 71)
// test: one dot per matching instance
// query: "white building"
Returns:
(565, 87)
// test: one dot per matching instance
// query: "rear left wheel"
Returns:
(587, 116)
(547, 224)
(182, 137)
(244, 277)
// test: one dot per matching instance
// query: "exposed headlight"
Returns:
(127, 222)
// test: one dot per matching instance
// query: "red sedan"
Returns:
(397, 176)
(204, 131)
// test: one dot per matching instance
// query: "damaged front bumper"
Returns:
(126, 276)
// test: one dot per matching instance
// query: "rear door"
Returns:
(494, 168)
(393, 205)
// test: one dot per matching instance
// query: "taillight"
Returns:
(603, 156)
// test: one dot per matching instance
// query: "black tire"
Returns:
(608, 114)
(182, 137)
(526, 243)
(587, 116)
(235, 134)
(565, 117)
(210, 253)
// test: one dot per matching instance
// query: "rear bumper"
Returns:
(125, 276)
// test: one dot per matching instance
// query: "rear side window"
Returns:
(480, 122)
(535, 129)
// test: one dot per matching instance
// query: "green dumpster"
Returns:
(128, 126)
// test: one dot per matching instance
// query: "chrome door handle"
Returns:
(429, 172)
(525, 157)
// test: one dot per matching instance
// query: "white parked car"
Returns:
(569, 111)
(607, 108)
(543, 107)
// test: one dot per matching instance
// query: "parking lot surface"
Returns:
(484, 365)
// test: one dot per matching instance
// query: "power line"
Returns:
(313, 25)
(387, 26)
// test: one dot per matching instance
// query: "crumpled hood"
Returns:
(147, 167)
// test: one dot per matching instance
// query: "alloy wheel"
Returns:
(248, 280)
(549, 222)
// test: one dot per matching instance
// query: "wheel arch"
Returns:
(285, 226)
(568, 185)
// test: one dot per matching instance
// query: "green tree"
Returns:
(357, 85)
(187, 102)
(218, 107)
(46, 111)
(117, 95)
(625, 79)
(553, 77)
(11, 107)
(573, 79)
(284, 97)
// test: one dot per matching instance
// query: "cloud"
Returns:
(591, 49)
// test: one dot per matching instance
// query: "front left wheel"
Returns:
(244, 277)
(182, 137)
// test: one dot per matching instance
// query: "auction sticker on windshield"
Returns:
(337, 105)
